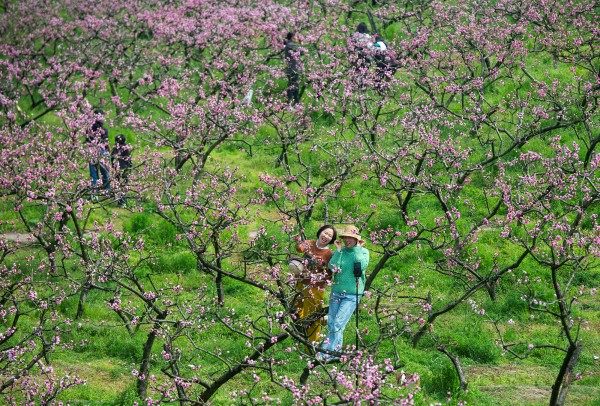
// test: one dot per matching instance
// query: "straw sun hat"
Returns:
(348, 231)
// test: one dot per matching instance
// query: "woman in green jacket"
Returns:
(348, 265)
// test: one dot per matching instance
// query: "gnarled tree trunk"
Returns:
(565, 376)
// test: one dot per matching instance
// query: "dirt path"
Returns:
(18, 237)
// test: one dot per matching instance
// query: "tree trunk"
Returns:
(565, 376)
(491, 288)
(142, 382)
(219, 285)
(180, 388)
(282, 160)
(115, 93)
(461, 375)
(82, 298)
(234, 370)
(219, 278)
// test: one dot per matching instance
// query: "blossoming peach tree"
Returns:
(477, 128)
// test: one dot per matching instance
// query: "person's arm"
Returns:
(363, 256)
(302, 246)
(326, 269)
(335, 259)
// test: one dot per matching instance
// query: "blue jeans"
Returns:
(103, 172)
(341, 307)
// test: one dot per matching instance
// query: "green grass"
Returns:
(108, 381)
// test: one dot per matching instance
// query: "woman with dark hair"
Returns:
(362, 28)
(313, 280)
(293, 68)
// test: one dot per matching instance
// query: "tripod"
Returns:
(356, 310)
(357, 276)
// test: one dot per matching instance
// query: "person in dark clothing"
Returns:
(385, 64)
(97, 138)
(362, 44)
(121, 160)
(293, 67)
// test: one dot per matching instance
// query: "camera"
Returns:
(357, 270)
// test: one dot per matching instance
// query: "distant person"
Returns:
(121, 160)
(362, 44)
(293, 68)
(362, 33)
(385, 63)
(97, 139)
(312, 283)
(348, 265)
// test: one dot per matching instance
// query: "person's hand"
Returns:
(338, 244)
(361, 243)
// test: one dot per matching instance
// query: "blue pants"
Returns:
(341, 307)
(103, 172)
